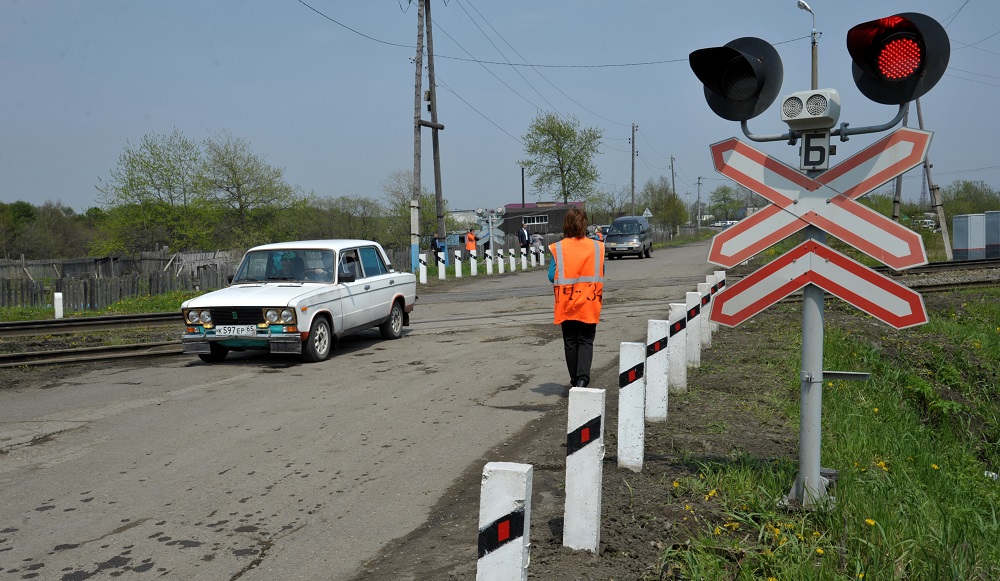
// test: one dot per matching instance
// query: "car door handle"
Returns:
(368, 287)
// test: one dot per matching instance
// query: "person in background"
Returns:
(470, 243)
(599, 234)
(435, 249)
(523, 238)
(577, 275)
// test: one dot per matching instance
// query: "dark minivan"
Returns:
(629, 235)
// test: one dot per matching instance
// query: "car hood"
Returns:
(255, 295)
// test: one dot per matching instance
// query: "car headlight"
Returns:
(196, 317)
(282, 316)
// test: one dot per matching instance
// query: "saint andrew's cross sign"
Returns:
(827, 201)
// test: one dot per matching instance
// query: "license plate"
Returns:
(236, 330)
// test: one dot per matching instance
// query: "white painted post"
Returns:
(440, 265)
(473, 264)
(458, 264)
(57, 302)
(705, 290)
(489, 261)
(677, 349)
(513, 260)
(524, 258)
(500, 261)
(631, 405)
(720, 275)
(584, 469)
(504, 522)
(423, 268)
(534, 257)
(657, 369)
(693, 329)
(713, 283)
(541, 256)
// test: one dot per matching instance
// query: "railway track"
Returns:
(21, 329)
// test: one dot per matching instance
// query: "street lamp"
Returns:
(815, 48)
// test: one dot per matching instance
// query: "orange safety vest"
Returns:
(600, 236)
(470, 242)
(579, 279)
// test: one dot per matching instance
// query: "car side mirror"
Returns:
(344, 276)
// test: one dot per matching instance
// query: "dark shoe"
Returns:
(581, 383)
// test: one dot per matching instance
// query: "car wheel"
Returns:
(649, 250)
(317, 347)
(393, 327)
(217, 354)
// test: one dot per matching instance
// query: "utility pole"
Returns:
(898, 196)
(936, 201)
(633, 168)
(699, 205)
(522, 186)
(434, 125)
(415, 197)
(673, 176)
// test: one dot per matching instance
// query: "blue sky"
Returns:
(334, 109)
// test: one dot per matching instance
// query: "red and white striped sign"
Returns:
(814, 263)
(826, 201)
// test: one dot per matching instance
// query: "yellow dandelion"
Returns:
(871, 522)
(876, 410)
(935, 466)
(718, 530)
(676, 484)
(815, 533)
(861, 575)
(829, 384)
(819, 551)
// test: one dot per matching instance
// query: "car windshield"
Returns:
(624, 229)
(286, 265)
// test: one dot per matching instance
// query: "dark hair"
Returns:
(575, 223)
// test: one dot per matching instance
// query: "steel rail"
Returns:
(87, 324)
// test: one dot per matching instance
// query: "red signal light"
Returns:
(899, 58)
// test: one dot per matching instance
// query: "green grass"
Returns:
(912, 500)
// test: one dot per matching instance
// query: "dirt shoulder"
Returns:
(727, 409)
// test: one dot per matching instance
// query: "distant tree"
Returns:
(725, 203)
(397, 190)
(969, 197)
(560, 157)
(15, 218)
(603, 206)
(666, 206)
(254, 202)
(343, 217)
(152, 195)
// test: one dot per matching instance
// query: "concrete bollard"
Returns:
(693, 329)
(458, 264)
(657, 369)
(512, 259)
(423, 268)
(631, 406)
(57, 302)
(473, 264)
(441, 265)
(713, 283)
(504, 522)
(705, 290)
(534, 257)
(677, 349)
(524, 258)
(584, 464)
(720, 275)
(500, 262)
(489, 261)
(541, 257)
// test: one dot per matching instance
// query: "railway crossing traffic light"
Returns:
(896, 60)
(899, 58)
(741, 79)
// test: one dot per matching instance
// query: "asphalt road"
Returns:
(264, 468)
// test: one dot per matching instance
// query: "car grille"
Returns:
(237, 315)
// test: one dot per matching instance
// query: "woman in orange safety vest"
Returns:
(470, 243)
(577, 273)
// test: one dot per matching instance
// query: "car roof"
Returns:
(338, 245)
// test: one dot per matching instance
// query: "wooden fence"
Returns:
(99, 293)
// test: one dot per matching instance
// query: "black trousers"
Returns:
(578, 341)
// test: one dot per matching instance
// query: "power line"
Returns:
(481, 114)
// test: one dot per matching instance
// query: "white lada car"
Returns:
(298, 297)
